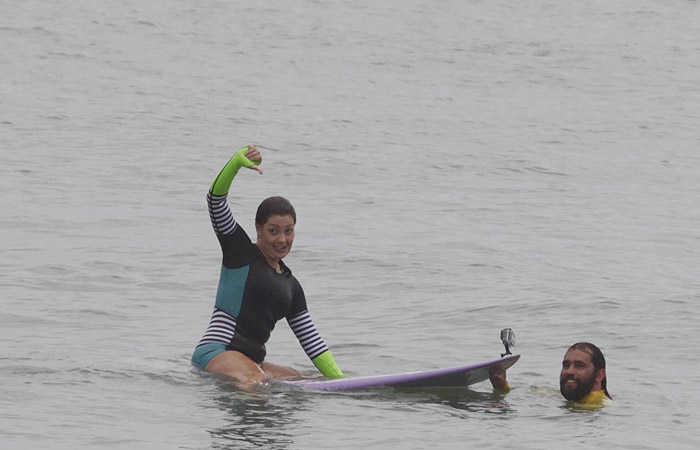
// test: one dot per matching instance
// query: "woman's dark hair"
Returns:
(274, 206)
(597, 359)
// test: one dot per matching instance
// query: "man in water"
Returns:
(582, 379)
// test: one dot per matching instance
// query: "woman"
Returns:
(256, 288)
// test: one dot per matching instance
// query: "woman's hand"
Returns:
(255, 156)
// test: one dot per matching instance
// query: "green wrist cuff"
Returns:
(326, 364)
(222, 183)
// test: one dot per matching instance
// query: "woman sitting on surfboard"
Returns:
(256, 288)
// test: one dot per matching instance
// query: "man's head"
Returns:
(582, 371)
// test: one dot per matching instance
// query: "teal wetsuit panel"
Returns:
(229, 296)
(206, 352)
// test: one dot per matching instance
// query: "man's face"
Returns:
(578, 375)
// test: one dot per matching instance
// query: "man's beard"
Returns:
(577, 392)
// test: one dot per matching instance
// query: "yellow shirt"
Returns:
(503, 389)
(594, 400)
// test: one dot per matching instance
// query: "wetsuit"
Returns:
(252, 296)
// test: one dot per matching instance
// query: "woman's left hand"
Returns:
(255, 156)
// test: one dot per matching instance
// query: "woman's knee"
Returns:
(236, 365)
(275, 371)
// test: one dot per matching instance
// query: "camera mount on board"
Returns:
(508, 339)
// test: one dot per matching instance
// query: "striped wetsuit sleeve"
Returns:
(219, 211)
(222, 327)
(313, 345)
(305, 330)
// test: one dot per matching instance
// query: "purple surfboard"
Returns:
(447, 377)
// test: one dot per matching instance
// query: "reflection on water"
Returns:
(269, 417)
(262, 418)
(460, 398)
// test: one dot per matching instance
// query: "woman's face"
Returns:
(275, 237)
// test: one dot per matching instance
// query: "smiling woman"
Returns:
(256, 289)
(274, 223)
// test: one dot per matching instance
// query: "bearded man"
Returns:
(582, 379)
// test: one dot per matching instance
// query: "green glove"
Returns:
(326, 364)
(222, 183)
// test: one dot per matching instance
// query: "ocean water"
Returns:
(457, 167)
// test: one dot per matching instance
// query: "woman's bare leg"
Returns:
(275, 371)
(237, 366)
(244, 370)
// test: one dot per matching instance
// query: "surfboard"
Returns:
(458, 376)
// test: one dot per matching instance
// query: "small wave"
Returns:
(546, 171)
